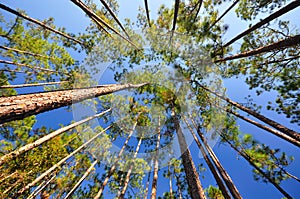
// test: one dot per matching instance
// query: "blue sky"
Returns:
(69, 16)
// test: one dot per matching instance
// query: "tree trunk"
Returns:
(46, 138)
(81, 179)
(94, 17)
(127, 178)
(209, 163)
(21, 106)
(282, 11)
(194, 184)
(226, 11)
(39, 23)
(112, 169)
(266, 120)
(148, 182)
(114, 16)
(246, 157)
(147, 12)
(289, 42)
(273, 131)
(176, 9)
(32, 85)
(49, 171)
(41, 187)
(225, 176)
(155, 171)
(170, 181)
(27, 66)
(178, 186)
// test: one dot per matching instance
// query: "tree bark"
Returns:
(275, 15)
(194, 184)
(155, 171)
(248, 159)
(2, 6)
(262, 118)
(289, 42)
(21, 106)
(127, 178)
(50, 170)
(81, 179)
(225, 176)
(148, 182)
(176, 9)
(46, 138)
(32, 85)
(209, 163)
(112, 169)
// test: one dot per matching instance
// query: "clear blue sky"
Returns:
(67, 15)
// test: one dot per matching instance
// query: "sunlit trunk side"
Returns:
(225, 176)
(273, 131)
(264, 119)
(148, 181)
(41, 187)
(209, 163)
(54, 167)
(170, 181)
(248, 159)
(88, 171)
(32, 85)
(127, 178)
(195, 188)
(112, 169)
(289, 42)
(2, 6)
(46, 138)
(21, 106)
(155, 171)
(282, 11)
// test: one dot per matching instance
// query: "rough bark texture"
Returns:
(266, 120)
(275, 15)
(289, 42)
(46, 138)
(194, 184)
(248, 159)
(225, 176)
(209, 164)
(2, 6)
(81, 179)
(49, 171)
(127, 178)
(21, 106)
(112, 169)
(155, 171)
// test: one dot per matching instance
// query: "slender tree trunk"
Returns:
(273, 131)
(170, 181)
(176, 9)
(25, 52)
(198, 10)
(27, 66)
(21, 106)
(2, 6)
(282, 11)
(112, 169)
(194, 184)
(178, 186)
(32, 85)
(81, 179)
(209, 163)
(127, 178)
(289, 42)
(148, 182)
(46, 138)
(225, 176)
(266, 120)
(155, 171)
(114, 16)
(92, 15)
(9, 176)
(41, 188)
(147, 12)
(226, 11)
(38, 179)
(248, 159)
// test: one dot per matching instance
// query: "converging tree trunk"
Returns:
(32, 85)
(282, 11)
(155, 171)
(262, 118)
(46, 138)
(21, 106)
(147, 12)
(27, 66)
